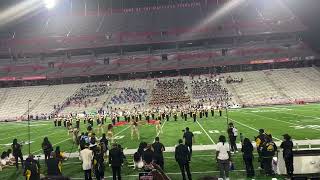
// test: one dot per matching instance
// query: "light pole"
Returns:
(226, 104)
(29, 138)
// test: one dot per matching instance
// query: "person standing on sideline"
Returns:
(98, 163)
(158, 148)
(16, 151)
(104, 144)
(269, 149)
(223, 157)
(86, 156)
(116, 160)
(232, 133)
(182, 156)
(259, 142)
(32, 168)
(53, 165)
(287, 146)
(247, 150)
(47, 148)
(188, 139)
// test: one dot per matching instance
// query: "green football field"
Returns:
(302, 122)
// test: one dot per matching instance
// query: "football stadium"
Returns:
(159, 89)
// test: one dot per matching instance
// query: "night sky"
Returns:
(307, 10)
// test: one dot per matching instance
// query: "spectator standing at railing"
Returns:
(223, 157)
(247, 150)
(269, 149)
(182, 156)
(16, 151)
(287, 146)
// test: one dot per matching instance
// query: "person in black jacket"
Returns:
(104, 144)
(116, 160)
(158, 148)
(247, 150)
(259, 142)
(53, 165)
(269, 149)
(287, 146)
(47, 148)
(188, 139)
(182, 156)
(32, 169)
(98, 163)
(16, 152)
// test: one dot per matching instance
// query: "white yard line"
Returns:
(206, 133)
(161, 128)
(314, 117)
(252, 128)
(295, 124)
(122, 130)
(53, 144)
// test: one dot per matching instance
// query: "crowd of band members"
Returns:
(208, 89)
(130, 95)
(85, 96)
(168, 92)
(168, 113)
(230, 79)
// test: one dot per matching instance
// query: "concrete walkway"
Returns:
(198, 148)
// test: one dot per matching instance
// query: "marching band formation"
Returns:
(135, 118)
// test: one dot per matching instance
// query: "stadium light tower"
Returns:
(29, 137)
(49, 4)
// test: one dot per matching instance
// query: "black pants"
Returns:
(116, 172)
(77, 124)
(289, 165)
(224, 168)
(160, 162)
(46, 156)
(87, 174)
(267, 165)
(185, 117)
(16, 159)
(183, 168)
(99, 174)
(249, 165)
(260, 159)
(233, 143)
(190, 148)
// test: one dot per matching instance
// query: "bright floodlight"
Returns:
(49, 3)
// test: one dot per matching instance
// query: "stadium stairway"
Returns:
(4, 96)
(232, 92)
(37, 102)
(279, 89)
